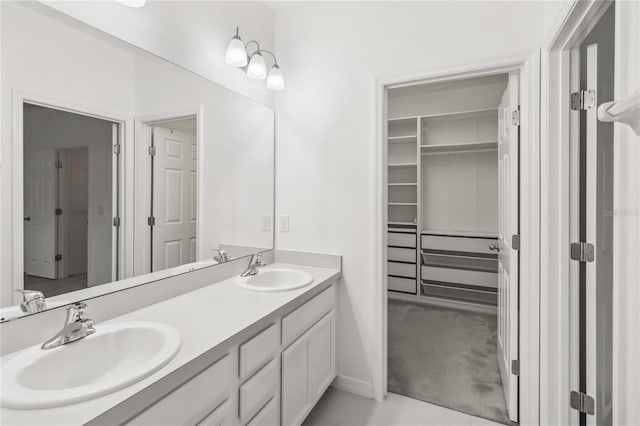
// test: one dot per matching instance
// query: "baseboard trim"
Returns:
(355, 386)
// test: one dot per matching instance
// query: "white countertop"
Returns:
(205, 318)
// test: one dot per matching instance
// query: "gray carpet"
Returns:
(447, 357)
(52, 288)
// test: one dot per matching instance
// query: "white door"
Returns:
(40, 192)
(508, 212)
(174, 198)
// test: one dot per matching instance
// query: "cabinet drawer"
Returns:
(401, 254)
(258, 390)
(407, 270)
(268, 416)
(218, 417)
(459, 276)
(398, 239)
(489, 297)
(406, 285)
(463, 244)
(257, 351)
(194, 400)
(300, 320)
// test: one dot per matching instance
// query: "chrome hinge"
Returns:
(582, 402)
(116, 149)
(582, 252)
(58, 212)
(151, 221)
(515, 242)
(583, 100)
(58, 257)
(515, 117)
(58, 164)
(515, 367)
(116, 222)
(152, 150)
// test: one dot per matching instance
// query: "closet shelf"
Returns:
(403, 184)
(402, 204)
(458, 148)
(397, 119)
(401, 223)
(402, 164)
(403, 139)
(459, 233)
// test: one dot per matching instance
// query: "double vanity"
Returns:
(253, 350)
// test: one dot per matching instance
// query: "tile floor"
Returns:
(340, 408)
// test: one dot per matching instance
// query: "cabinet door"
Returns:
(321, 358)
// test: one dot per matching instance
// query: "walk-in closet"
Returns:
(447, 177)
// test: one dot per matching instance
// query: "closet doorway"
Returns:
(453, 241)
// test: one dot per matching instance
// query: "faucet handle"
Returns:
(76, 312)
(258, 260)
(28, 295)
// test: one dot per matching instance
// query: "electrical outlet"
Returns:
(284, 223)
(266, 222)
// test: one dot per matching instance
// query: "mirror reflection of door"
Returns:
(68, 200)
(174, 194)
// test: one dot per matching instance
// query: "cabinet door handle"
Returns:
(28, 218)
(494, 247)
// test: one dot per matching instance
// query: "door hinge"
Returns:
(515, 117)
(582, 252)
(582, 402)
(116, 222)
(116, 149)
(58, 164)
(151, 221)
(515, 242)
(515, 367)
(58, 212)
(152, 150)
(583, 100)
(58, 257)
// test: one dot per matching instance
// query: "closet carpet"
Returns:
(447, 357)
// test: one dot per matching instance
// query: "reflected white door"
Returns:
(40, 192)
(174, 198)
(508, 261)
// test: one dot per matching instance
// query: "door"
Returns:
(597, 76)
(174, 198)
(40, 202)
(508, 227)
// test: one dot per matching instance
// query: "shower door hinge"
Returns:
(582, 402)
(582, 252)
(116, 149)
(151, 221)
(152, 150)
(116, 222)
(515, 242)
(515, 117)
(583, 100)
(58, 164)
(515, 367)
(58, 257)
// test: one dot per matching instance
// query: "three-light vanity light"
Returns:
(254, 64)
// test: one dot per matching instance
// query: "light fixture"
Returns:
(132, 3)
(236, 53)
(254, 64)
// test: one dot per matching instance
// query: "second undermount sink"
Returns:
(116, 356)
(275, 279)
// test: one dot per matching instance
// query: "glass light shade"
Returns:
(275, 80)
(236, 54)
(257, 68)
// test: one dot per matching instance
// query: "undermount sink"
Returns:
(116, 356)
(275, 279)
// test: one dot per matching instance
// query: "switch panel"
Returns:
(266, 222)
(284, 223)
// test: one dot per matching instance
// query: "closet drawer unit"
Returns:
(407, 270)
(463, 244)
(257, 351)
(460, 276)
(268, 416)
(256, 391)
(460, 262)
(399, 239)
(463, 294)
(401, 254)
(405, 285)
(300, 320)
(196, 399)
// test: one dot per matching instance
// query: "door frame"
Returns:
(528, 63)
(143, 128)
(125, 134)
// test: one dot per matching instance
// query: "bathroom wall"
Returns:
(331, 53)
(192, 34)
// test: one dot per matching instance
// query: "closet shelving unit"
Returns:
(442, 206)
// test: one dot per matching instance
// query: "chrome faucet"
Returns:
(221, 257)
(76, 327)
(32, 301)
(254, 262)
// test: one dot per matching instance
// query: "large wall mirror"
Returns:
(118, 167)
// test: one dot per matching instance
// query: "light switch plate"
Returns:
(284, 223)
(266, 222)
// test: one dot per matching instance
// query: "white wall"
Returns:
(324, 127)
(192, 34)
